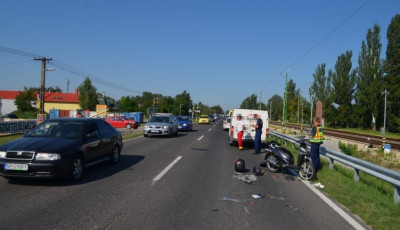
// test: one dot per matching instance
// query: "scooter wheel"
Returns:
(307, 171)
(270, 166)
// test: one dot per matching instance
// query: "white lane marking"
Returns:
(209, 130)
(200, 137)
(162, 173)
(342, 213)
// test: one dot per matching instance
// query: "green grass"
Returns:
(132, 135)
(371, 198)
(5, 139)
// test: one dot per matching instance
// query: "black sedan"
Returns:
(61, 148)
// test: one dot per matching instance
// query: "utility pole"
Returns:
(42, 81)
(260, 98)
(312, 96)
(285, 100)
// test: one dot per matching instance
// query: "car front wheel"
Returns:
(76, 168)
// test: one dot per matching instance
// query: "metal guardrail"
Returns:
(358, 165)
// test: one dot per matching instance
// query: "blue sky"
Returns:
(220, 51)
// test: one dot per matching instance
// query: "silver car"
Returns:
(161, 125)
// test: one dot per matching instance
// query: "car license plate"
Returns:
(16, 167)
(154, 131)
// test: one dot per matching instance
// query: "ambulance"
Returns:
(249, 132)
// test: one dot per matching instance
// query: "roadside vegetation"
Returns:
(371, 198)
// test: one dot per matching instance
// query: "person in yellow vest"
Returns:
(316, 140)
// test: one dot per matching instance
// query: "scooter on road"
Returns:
(279, 158)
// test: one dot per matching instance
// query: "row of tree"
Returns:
(367, 96)
(181, 104)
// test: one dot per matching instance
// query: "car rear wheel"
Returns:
(115, 155)
(76, 168)
(128, 126)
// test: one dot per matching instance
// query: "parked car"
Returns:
(212, 118)
(61, 148)
(227, 123)
(204, 119)
(184, 123)
(10, 116)
(136, 123)
(162, 125)
(121, 122)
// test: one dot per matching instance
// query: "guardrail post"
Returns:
(396, 194)
(331, 163)
(356, 175)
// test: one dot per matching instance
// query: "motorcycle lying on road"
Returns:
(279, 158)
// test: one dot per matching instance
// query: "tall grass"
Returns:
(371, 198)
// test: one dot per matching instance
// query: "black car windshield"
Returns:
(159, 119)
(182, 118)
(63, 129)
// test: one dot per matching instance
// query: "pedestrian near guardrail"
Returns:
(316, 140)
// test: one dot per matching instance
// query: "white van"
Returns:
(249, 132)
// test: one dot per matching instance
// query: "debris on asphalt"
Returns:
(318, 185)
(277, 197)
(257, 196)
(248, 178)
(234, 200)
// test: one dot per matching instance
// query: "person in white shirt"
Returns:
(239, 129)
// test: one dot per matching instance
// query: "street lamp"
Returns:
(285, 99)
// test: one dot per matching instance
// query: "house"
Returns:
(7, 99)
(60, 101)
(52, 100)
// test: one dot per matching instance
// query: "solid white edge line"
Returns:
(340, 211)
(162, 173)
(200, 137)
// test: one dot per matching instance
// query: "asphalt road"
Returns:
(183, 182)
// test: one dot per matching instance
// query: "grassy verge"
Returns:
(371, 199)
(5, 139)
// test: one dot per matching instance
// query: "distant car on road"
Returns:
(61, 148)
(227, 123)
(121, 122)
(212, 118)
(204, 119)
(184, 123)
(161, 125)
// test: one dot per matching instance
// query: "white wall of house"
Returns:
(7, 106)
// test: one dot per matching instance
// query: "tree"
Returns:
(87, 95)
(24, 98)
(321, 90)
(344, 82)
(370, 77)
(182, 103)
(392, 70)
(251, 103)
(128, 104)
(275, 107)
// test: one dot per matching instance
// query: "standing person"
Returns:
(316, 140)
(257, 138)
(239, 130)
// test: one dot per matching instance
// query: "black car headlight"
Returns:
(47, 156)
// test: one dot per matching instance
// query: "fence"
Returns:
(358, 165)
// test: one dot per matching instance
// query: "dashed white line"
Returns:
(200, 137)
(162, 173)
(209, 130)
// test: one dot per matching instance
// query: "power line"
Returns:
(322, 40)
(73, 70)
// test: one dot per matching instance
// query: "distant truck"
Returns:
(249, 132)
